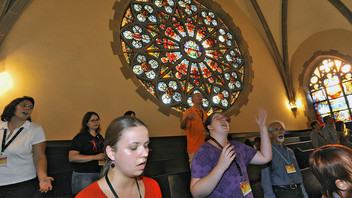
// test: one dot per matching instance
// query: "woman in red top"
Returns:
(126, 147)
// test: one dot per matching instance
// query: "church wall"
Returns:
(59, 52)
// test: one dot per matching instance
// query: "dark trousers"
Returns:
(288, 192)
(26, 189)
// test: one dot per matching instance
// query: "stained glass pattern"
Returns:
(331, 89)
(178, 47)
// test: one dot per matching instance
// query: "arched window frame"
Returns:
(305, 77)
(242, 99)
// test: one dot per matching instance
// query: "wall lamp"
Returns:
(6, 82)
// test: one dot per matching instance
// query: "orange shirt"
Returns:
(195, 129)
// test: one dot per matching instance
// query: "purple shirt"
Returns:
(206, 158)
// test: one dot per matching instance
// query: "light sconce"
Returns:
(6, 82)
(294, 106)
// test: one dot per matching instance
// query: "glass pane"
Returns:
(338, 104)
(334, 91)
(349, 99)
(322, 108)
(347, 86)
(342, 115)
(319, 96)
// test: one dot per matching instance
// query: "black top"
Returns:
(86, 144)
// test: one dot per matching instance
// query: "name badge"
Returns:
(290, 169)
(101, 162)
(3, 160)
(246, 188)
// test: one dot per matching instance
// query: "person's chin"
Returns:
(281, 140)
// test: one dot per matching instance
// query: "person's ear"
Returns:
(209, 127)
(342, 185)
(110, 153)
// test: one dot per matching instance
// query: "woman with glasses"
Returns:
(22, 154)
(219, 166)
(86, 153)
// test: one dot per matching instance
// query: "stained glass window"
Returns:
(331, 89)
(178, 47)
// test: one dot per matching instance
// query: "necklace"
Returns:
(112, 188)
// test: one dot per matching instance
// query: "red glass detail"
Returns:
(137, 36)
(182, 68)
(206, 73)
(215, 66)
(210, 42)
(233, 80)
(145, 13)
(165, 3)
(166, 43)
(146, 67)
(170, 32)
(221, 96)
(216, 55)
(169, 91)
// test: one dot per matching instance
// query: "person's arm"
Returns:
(314, 139)
(74, 156)
(40, 163)
(265, 154)
(202, 187)
(266, 183)
(184, 122)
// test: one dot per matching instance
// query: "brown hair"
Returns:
(113, 134)
(330, 163)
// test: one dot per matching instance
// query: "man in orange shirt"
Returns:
(193, 122)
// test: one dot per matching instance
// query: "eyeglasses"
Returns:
(279, 129)
(220, 118)
(24, 105)
(94, 120)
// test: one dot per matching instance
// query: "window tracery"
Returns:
(178, 47)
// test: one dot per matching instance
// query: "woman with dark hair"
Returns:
(332, 166)
(219, 166)
(22, 156)
(85, 152)
(340, 129)
(130, 113)
(126, 147)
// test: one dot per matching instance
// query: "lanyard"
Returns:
(281, 155)
(238, 166)
(200, 113)
(112, 188)
(4, 146)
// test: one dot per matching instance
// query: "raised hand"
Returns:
(261, 118)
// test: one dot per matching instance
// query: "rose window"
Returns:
(176, 48)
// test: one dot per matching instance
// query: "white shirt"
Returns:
(20, 165)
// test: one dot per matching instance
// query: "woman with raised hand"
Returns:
(22, 155)
(219, 166)
(87, 149)
(126, 147)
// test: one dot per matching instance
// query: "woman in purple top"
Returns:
(219, 167)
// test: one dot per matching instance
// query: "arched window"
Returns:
(331, 88)
(175, 48)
